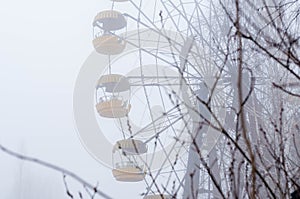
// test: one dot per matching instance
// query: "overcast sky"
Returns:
(42, 47)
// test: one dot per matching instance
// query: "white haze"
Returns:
(42, 47)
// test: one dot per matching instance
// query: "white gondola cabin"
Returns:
(112, 95)
(127, 161)
(107, 25)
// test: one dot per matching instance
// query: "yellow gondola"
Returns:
(128, 165)
(104, 24)
(114, 91)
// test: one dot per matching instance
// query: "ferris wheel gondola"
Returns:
(128, 165)
(114, 91)
(104, 23)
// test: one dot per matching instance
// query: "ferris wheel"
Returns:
(149, 104)
(143, 89)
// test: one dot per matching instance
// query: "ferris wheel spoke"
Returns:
(165, 161)
(145, 110)
(148, 126)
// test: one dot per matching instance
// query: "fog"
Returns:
(43, 45)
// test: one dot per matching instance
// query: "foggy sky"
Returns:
(42, 47)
